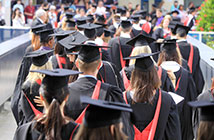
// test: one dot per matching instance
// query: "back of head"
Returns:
(40, 13)
(144, 84)
(88, 67)
(138, 50)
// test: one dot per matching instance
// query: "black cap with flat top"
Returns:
(126, 23)
(70, 23)
(102, 113)
(168, 45)
(89, 52)
(61, 34)
(143, 61)
(56, 78)
(69, 15)
(136, 17)
(45, 34)
(181, 27)
(37, 28)
(39, 57)
(107, 32)
(207, 109)
(82, 20)
(89, 29)
(100, 18)
(140, 40)
(75, 38)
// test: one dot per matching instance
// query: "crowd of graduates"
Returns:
(111, 75)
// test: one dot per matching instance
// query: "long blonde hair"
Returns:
(138, 50)
(32, 76)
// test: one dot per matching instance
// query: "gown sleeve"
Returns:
(173, 131)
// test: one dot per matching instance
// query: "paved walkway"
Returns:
(7, 123)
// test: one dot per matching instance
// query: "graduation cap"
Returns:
(108, 7)
(175, 11)
(39, 57)
(126, 23)
(169, 45)
(192, 9)
(107, 32)
(142, 13)
(121, 10)
(94, 5)
(90, 18)
(154, 5)
(207, 109)
(70, 23)
(100, 18)
(89, 29)
(140, 40)
(44, 34)
(136, 17)
(37, 28)
(56, 79)
(143, 61)
(180, 27)
(82, 20)
(61, 34)
(89, 52)
(66, 8)
(102, 113)
(69, 15)
(68, 42)
(172, 25)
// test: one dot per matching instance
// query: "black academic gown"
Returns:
(84, 86)
(27, 132)
(26, 114)
(113, 29)
(65, 65)
(108, 73)
(23, 72)
(186, 89)
(168, 126)
(114, 50)
(135, 32)
(196, 70)
(166, 83)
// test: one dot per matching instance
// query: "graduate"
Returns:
(81, 21)
(46, 40)
(60, 59)
(89, 62)
(206, 119)
(136, 29)
(54, 124)
(141, 44)
(90, 31)
(102, 120)
(155, 114)
(119, 49)
(115, 24)
(24, 68)
(30, 89)
(191, 54)
(184, 86)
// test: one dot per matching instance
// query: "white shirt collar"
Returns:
(171, 65)
(181, 40)
(82, 76)
(125, 35)
(99, 41)
(136, 27)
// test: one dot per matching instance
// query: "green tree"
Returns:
(205, 19)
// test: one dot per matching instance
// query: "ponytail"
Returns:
(51, 125)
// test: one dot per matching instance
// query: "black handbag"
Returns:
(2, 22)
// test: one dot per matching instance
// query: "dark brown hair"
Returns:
(144, 83)
(205, 130)
(101, 133)
(51, 124)
(172, 56)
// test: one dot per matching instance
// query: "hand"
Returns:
(38, 101)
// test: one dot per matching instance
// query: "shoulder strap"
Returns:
(190, 60)
(160, 72)
(114, 73)
(122, 62)
(36, 112)
(125, 79)
(58, 61)
(95, 96)
(125, 97)
(73, 132)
